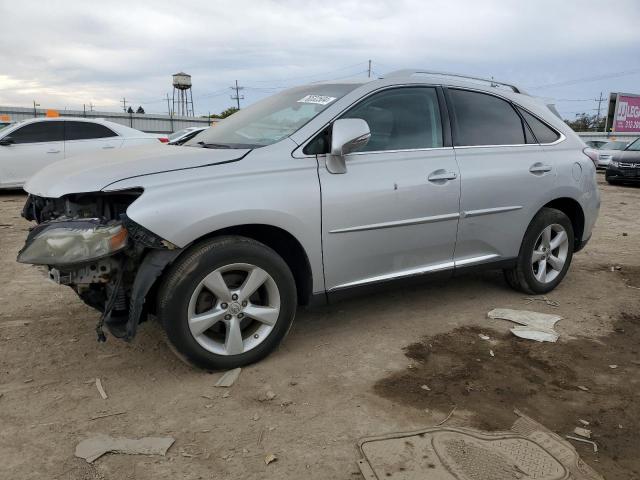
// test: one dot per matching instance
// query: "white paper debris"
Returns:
(534, 326)
(94, 447)
(583, 432)
(229, 378)
(101, 390)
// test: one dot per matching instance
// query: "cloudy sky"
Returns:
(69, 53)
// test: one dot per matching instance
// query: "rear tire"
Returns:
(227, 302)
(545, 254)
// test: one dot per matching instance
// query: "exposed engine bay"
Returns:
(86, 241)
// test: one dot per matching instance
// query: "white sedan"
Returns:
(28, 146)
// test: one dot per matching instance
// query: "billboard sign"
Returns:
(627, 113)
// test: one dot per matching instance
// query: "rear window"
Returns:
(483, 119)
(543, 133)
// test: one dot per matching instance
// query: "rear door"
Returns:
(394, 213)
(34, 146)
(506, 175)
(82, 137)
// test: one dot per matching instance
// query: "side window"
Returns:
(543, 133)
(86, 130)
(400, 119)
(39, 132)
(483, 119)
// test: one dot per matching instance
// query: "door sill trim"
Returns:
(416, 271)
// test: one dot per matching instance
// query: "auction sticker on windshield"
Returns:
(318, 99)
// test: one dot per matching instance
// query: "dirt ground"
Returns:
(342, 373)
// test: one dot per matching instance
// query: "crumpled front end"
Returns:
(86, 241)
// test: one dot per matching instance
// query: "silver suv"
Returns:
(312, 192)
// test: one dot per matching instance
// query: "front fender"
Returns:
(204, 200)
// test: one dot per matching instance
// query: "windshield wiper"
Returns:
(213, 145)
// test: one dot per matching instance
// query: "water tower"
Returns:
(182, 95)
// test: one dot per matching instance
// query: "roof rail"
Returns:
(492, 82)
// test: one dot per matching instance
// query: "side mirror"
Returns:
(347, 136)
(6, 141)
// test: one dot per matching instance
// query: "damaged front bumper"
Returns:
(107, 259)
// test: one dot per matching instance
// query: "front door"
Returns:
(34, 146)
(394, 213)
(506, 175)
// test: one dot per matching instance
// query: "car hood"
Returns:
(93, 172)
(627, 156)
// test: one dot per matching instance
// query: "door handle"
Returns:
(441, 176)
(53, 151)
(540, 168)
(108, 147)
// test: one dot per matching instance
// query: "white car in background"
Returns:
(181, 136)
(28, 146)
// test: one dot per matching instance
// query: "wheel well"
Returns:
(285, 245)
(573, 210)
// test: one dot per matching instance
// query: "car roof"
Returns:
(122, 130)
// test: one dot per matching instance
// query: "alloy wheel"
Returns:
(233, 309)
(550, 253)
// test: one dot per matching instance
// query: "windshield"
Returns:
(613, 146)
(634, 146)
(273, 118)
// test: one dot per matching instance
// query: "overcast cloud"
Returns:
(70, 53)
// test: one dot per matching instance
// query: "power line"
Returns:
(587, 79)
(312, 74)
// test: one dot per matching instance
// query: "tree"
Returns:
(140, 109)
(129, 110)
(586, 123)
(225, 113)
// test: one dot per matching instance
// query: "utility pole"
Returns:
(600, 99)
(91, 106)
(237, 97)
(84, 110)
(124, 104)
(35, 112)
(170, 113)
(369, 75)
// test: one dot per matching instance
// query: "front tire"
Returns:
(227, 302)
(545, 254)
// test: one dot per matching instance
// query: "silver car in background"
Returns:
(309, 194)
(606, 152)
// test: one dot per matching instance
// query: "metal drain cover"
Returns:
(527, 451)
